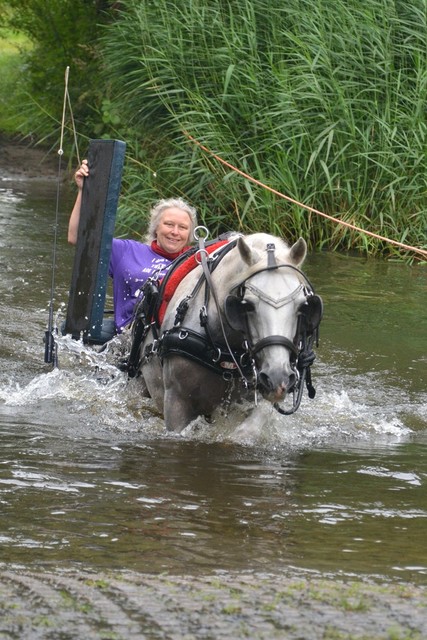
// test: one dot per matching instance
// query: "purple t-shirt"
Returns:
(131, 264)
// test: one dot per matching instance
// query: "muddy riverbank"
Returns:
(21, 158)
(126, 605)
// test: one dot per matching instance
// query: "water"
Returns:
(89, 479)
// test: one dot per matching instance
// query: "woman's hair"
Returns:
(161, 206)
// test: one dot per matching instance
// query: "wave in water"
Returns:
(88, 388)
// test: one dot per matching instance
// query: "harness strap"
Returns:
(177, 271)
(132, 364)
(221, 359)
(210, 288)
(155, 298)
(192, 345)
(207, 268)
(141, 325)
(271, 258)
(306, 358)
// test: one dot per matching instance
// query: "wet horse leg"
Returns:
(190, 391)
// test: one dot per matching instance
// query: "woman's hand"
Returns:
(81, 173)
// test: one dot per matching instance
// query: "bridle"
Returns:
(269, 340)
(301, 347)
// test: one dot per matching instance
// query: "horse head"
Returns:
(273, 306)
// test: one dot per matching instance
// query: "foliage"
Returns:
(63, 33)
(12, 51)
(323, 101)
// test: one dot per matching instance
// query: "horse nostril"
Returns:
(265, 381)
(292, 381)
(279, 384)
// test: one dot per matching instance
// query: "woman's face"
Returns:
(173, 230)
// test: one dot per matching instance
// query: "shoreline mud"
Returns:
(243, 605)
(22, 158)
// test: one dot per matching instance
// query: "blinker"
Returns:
(235, 310)
(310, 313)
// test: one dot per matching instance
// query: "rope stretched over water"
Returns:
(422, 252)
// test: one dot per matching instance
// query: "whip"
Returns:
(51, 350)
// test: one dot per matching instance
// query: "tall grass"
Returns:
(12, 65)
(323, 101)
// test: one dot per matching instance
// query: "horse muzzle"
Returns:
(275, 385)
(274, 382)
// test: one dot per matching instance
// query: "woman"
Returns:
(171, 227)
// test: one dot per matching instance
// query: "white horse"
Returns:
(242, 320)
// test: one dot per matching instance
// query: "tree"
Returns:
(63, 33)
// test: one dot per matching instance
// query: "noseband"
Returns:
(272, 341)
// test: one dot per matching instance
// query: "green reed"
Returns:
(323, 101)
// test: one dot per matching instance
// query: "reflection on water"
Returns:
(89, 478)
(376, 319)
(108, 500)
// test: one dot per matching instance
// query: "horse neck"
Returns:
(209, 299)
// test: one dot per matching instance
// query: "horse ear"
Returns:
(248, 255)
(298, 252)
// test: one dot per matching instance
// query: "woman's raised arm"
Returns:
(73, 224)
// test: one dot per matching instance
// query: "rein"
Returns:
(210, 287)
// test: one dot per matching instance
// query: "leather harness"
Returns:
(201, 348)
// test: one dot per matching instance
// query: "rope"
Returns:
(422, 252)
(74, 126)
